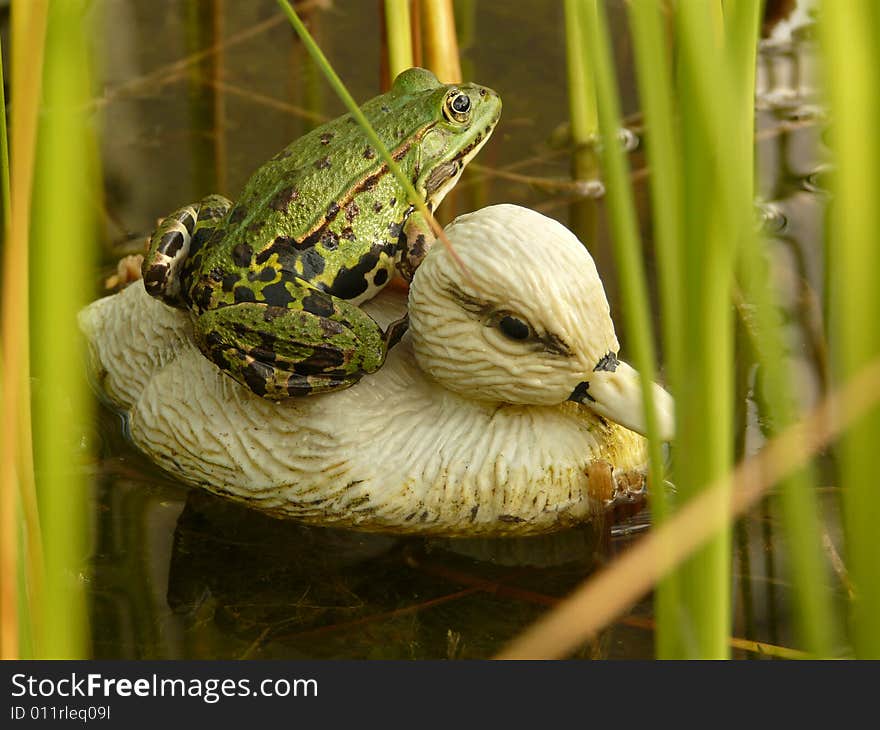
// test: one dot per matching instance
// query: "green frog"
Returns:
(274, 281)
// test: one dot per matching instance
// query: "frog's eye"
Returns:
(514, 328)
(457, 106)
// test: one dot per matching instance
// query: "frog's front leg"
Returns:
(316, 344)
(415, 240)
(177, 237)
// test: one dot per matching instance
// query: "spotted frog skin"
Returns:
(275, 281)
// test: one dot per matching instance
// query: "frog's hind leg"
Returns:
(318, 343)
(174, 240)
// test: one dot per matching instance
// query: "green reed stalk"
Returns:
(801, 524)
(398, 28)
(582, 107)
(716, 189)
(62, 268)
(657, 96)
(848, 33)
(624, 222)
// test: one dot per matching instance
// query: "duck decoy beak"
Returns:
(617, 395)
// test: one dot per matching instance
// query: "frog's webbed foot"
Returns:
(176, 238)
(395, 331)
(415, 240)
(317, 344)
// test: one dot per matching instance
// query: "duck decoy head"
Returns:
(519, 315)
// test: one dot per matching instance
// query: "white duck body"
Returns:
(431, 443)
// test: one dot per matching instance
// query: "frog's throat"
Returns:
(440, 180)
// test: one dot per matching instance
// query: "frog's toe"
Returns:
(169, 247)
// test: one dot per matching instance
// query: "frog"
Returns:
(274, 281)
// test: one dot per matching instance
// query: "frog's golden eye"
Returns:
(457, 106)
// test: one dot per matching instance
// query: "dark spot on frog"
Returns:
(377, 207)
(347, 234)
(270, 314)
(330, 327)
(312, 264)
(319, 304)
(210, 214)
(239, 213)
(263, 355)
(320, 361)
(330, 240)
(394, 229)
(474, 510)
(244, 294)
(213, 339)
(332, 211)
(296, 386)
(386, 108)
(242, 254)
(369, 153)
(277, 295)
(171, 243)
(351, 211)
(200, 237)
(351, 283)
(381, 277)
(256, 375)
(392, 202)
(326, 137)
(229, 281)
(266, 274)
(322, 163)
(203, 300)
(283, 198)
(156, 274)
(513, 519)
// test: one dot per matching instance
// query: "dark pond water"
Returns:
(174, 573)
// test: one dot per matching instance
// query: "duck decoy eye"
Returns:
(457, 106)
(514, 328)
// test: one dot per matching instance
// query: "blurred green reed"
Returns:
(699, 121)
(62, 270)
(849, 33)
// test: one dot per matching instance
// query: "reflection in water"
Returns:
(240, 584)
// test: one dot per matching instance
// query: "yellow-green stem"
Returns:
(398, 28)
(16, 464)
(441, 43)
